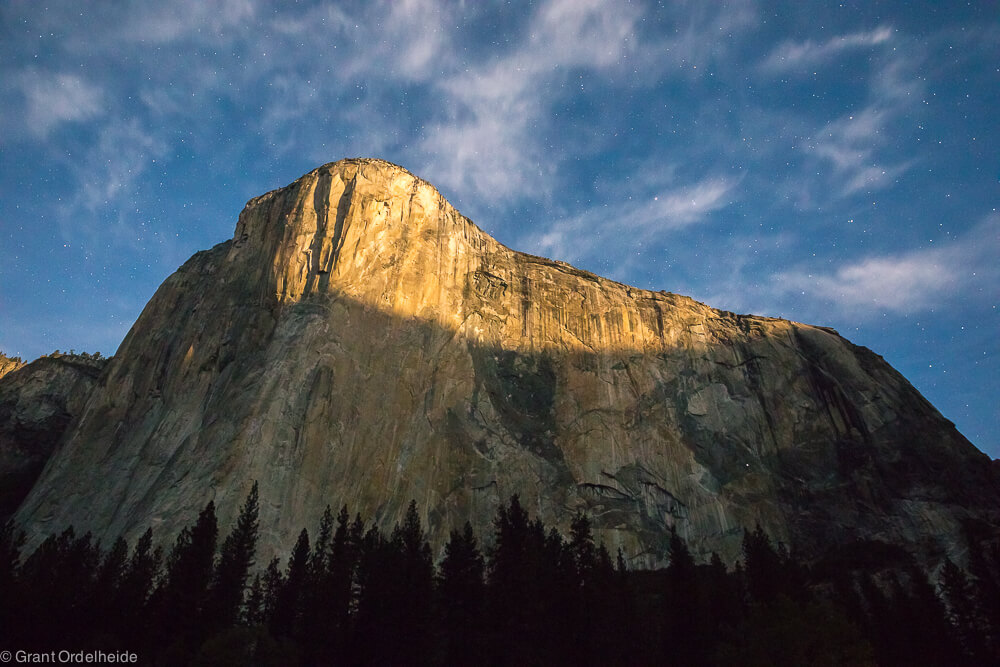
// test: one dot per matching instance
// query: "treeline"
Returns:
(353, 595)
(87, 356)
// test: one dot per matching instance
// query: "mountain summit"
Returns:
(360, 342)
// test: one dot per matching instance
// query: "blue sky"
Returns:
(837, 164)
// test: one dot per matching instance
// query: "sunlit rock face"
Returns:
(360, 342)
(8, 364)
(38, 401)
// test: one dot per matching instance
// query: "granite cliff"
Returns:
(8, 364)
(37, 403)
(359, 341)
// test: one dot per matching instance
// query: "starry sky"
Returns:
(831, 163)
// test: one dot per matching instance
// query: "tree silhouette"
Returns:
(357, 597)
(461, 587)
(253, 609)
(984, 568)
(57, 592)
(272, 583)
(316, 614)
(581, 548)
(927, 636)
(342, 576)
(107, 588)
(181, 599)
(396, 579)
(287, 615)
(233, 569)
(511, 590)
(374, 598)
(137, 585)
(682, 616)
(11, 542)
(963, 611)
(763, 567)
(417, 586)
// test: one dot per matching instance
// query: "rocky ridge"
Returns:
(37, 403)
(359, 341)
(8, 364)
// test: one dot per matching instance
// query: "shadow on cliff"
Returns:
(38, 401)
(640, 415)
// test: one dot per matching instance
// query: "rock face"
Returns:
(359, 341)
(8, 364)
(37, 403)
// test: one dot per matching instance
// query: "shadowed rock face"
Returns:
(359, 341)
(37, 403)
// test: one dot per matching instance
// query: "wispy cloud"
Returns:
(166, 22)
(609, 230)
(796, 55)
(107, 179)
(859, 151)
(420, 51)
(907, 282)
(688, 205)
(489, 145)
(851, 152)
(902, 283)
(55, 98)
(115, 164)
(408, 40)
(850, 143)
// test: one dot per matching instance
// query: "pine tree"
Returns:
(332, 591)
(137, 585)
(287, 615)
(106, 602)
(582, 549)
(509, 585)
(58, 580)
(343, 562)
(723, 594)
(235, 560)
(984, 568)
(272, 582)
(578, 596)
(376, 570)
(507, 571)
(629, 642)
(184, 592)
(605, 610)
(317, 611)
(319, 563)
(112, 569)
(461, 589)
(763, 566)
(682, 616)
(413, 589)
(11, 542)
(922, 617)
(530, 580)
(253, 609)
(42, 599)
(963, 611)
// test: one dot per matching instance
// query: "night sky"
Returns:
(837, 164)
